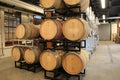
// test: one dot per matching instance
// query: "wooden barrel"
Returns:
(17, 53)
(73, 63)
(52, 4)
(32, 54)
(75, 29)
(27, 31)
(72, 2)
(87, 29)
(51, 29)
(84, 4)
(51, 60)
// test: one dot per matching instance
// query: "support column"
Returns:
(2, 38)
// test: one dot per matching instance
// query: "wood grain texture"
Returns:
(84, 4)
(73, 63)
(51, 60)
(17, 53)
(73, 29)
(51, 29)
(51, 3)
(26, 30)
(47, 3)
(32, 55)
(76, 29)
(59, 29)
(72, 2)
(87, 29)
(20, 31)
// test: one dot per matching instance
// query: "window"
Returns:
(11, 20)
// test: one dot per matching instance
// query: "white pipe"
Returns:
(114, 17)
(24, 5)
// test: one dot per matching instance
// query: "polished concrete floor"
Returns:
(104, 65)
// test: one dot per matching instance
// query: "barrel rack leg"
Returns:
(79, 76)
(28, 67)
(66, 76)
(55, 73)
(69, 76)
(83, 73)
(15, 64)
(33, 67)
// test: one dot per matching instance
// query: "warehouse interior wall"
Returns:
(6, 51)
(104, 32)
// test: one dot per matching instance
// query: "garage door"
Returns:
(104, 32)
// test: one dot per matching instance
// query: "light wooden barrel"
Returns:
(52, 4)
(27, 31)
(17, 53)
(51, 60)
(75, 29)
(32, 54)
(73, 63)
(51, 29)
(84, 4)
(87, 29)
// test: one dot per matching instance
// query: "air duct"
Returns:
(24, 5)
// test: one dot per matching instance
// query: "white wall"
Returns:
(6, 52)
(104, 32)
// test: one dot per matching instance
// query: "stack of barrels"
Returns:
(29, 54)
(73, 29)
(58, 4)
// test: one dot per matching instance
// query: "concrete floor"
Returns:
(104, 65)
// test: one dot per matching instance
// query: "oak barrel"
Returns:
(52, 4)
(75, 29)
(17, 53)
(51, 60)
(87, 29)
(32, 54)
(84, 4)
(27, 31)
(73, 63)
(51, 29)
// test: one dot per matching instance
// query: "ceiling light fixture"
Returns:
(103, 4)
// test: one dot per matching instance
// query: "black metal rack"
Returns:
(64, 44)
(56, 13)
(67, 46)
(30, 67)
(57, 73)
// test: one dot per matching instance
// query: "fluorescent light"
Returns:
(103, 3)
(103, 16)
